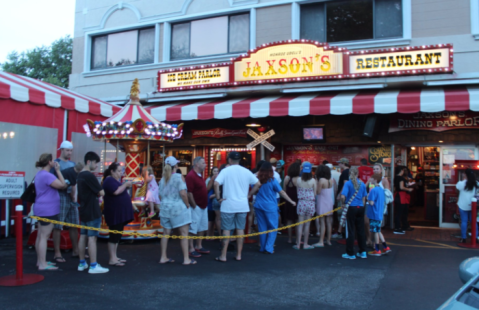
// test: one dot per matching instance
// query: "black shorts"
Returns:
(211, 216)
(53, 217)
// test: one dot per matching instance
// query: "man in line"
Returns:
(89, 189)
(198, 198)
(68, 208)
(236, 181)
(365, 172)
(344, 165)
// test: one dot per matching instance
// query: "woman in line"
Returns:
(214, 216)
(401, 201)
(266, 206)
(324, 202)
(354, 194)
(47, 205)
(306, 204)
(289, 186)
(118, 209)
(174, 211)
(467, 190)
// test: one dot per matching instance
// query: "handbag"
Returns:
(30, 193)
(346, 206)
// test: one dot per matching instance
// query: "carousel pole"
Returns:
(104, 163)
(164, 157)
(117, 147)
(148, 154)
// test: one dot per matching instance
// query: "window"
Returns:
(211, 36)
(123, 48)
(339, 21)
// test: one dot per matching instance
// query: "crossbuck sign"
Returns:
(261, 139)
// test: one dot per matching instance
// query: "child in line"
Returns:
(152, 196)
(375, 212)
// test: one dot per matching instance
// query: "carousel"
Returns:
(132, 130)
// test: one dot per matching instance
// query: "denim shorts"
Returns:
(94, 224)
(230, 221)
(53, 217)
(178, 221)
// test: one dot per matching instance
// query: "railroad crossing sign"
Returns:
(261, 139)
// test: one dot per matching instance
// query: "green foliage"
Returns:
(52, 64)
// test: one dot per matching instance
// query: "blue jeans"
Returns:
(466, 217)
(267, 221)
(94, 224)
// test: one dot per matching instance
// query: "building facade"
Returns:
(423, 119)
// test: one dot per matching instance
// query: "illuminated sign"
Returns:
(289, 61)
(439, 121)
(414, 60)
(183, 79)
(305, 60)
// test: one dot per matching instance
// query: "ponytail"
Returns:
(167, 173)
(108, 171)
(353, 177)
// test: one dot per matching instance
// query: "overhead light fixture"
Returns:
(334, 88)
(452, 82)
(379, 141)
(440, 141)
(413, 147)
(253, 125)
(192, 97)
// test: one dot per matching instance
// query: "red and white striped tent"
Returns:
(334, 103)
(28, 101)
(131, 112)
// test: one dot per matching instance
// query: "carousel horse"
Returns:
(139, 202)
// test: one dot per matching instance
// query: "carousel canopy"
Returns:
(133, 122)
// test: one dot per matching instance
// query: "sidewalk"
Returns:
(425, 233)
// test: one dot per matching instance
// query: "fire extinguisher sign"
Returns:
(12, 184)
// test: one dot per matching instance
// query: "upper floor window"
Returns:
(123, 48)
(350, 20)
(211, 36)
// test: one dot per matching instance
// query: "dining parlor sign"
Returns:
(439, 121)
(294, 61)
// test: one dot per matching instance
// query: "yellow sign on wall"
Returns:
(403, 60)
(288, 61)
(185, 79)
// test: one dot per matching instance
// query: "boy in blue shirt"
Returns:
(375, 212)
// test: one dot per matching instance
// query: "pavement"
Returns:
(418, 274)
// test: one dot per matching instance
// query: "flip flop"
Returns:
(119, 264)
(49, 268)
(308, 248)
(220, 260)
(150, 215)
(49, 264)
(59, 259)
(316, 245)
(296, 247)
(237, 259)
(168, 261)
(192, 262)
(121, 260)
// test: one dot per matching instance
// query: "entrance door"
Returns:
(448, 194)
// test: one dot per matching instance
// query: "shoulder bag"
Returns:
(346, 206)
(30, 193)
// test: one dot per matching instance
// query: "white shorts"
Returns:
(199, 220)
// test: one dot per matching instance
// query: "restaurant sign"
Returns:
(440, 121)
(304, 60)
(218, 133)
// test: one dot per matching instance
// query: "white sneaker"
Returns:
(336, 236)
(98, 269)
(82, 267)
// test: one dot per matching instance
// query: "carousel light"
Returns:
(127, 125)
(122, 132)
(112, 122)
(97, 125)
(104, 132)
(116, 132)
(119, 123)
(104, 124)
(156, 125)
(150, 126)
(169, 126)
(110, 132)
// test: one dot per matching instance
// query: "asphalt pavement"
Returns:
(416, 275)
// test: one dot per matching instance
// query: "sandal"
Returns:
(59, 259)
(192, 262)
(317, 245)
(296, 247)
(150, 215)
(49, 268)
(119, 264)
(168, 261)
(308, 248)
(220, 260)
(121, 260)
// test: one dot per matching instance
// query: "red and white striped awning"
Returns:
(131, 112)
(25, 89)
(335, 103)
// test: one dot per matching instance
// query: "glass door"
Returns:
(449, 177)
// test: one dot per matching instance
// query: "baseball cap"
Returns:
(171, 160)
(234, 155)
(330, 166)
(280, 163)
(66, 145)
(344, 161)
(307, 167)
(273, 160)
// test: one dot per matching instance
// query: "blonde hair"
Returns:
(167, 173)
(382, 169)
(353, 177)
(148, 169)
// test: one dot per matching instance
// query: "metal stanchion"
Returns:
(20, 279)
(473, 244)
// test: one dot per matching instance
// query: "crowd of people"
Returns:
(231, 200)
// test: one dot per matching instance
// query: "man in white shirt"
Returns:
(236, 181)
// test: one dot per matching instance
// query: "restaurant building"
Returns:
(391, 81)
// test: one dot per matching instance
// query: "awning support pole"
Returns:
(391, 216)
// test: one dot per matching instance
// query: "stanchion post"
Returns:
(473, 221)
(19, 279)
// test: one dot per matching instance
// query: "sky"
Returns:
(26, 24)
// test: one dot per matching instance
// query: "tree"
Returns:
(52, 64)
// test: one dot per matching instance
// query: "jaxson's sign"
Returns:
(304, 60)
(440, 121)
